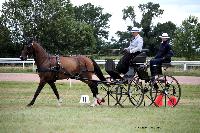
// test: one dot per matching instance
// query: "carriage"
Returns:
(138, 88)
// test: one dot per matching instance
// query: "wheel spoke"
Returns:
(136, 95)
(170, 88)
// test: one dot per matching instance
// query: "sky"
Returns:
(174, 10)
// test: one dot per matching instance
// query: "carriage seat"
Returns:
(110, 69)
(141, 58)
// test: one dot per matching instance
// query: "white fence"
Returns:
(17, 61)
(185, 64)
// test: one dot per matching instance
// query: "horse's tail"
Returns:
(98, 71)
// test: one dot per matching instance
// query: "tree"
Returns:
(187, 38)
(149, 11)
(129, 13)
(160, 28)
(95, 17)
(51, 22)
(167, 27)
(124, 39)
(7, 49)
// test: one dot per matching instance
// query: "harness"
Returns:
(57, 68)
(54, 68)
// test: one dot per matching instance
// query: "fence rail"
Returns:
(185, 64)
(17, 61)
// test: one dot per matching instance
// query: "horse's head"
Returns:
(27, 50)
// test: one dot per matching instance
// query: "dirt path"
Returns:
(27, 77)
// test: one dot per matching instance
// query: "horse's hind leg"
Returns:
(41, 85)
(94, 89)
(53, 86)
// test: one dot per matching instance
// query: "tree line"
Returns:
(63, 28)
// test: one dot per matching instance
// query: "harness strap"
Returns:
(51, 68)
(82, 68)
(59, 69)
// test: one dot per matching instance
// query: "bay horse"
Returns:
(51, 68)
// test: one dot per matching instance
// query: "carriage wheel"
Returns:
(135, 93)
(149, 94)
(167, 91)
(121, 93)
(112, 94)
(146, 87)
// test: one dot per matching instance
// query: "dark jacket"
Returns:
(165, 52)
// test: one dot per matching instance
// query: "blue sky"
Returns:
(174, 10)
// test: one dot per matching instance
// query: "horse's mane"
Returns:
(40, 45)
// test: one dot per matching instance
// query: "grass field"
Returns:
(72, 117)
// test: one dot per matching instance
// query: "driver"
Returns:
(130, 52)
(163, 55)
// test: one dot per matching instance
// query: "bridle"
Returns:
(30, 50)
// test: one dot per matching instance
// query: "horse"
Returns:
(54, 67)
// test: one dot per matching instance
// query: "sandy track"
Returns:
(27, 77)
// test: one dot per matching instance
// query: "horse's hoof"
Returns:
(60, 100)
(59, 104)
(93, 105)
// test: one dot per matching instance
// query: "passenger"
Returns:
(163, 55)
(130, 52)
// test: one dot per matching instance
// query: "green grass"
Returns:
(185, 73)
(72, 117)
(16, 69)
(176, 71)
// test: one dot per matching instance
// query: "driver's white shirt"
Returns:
(136, 44)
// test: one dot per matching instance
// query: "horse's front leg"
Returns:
(41, 85)
(53, 86)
